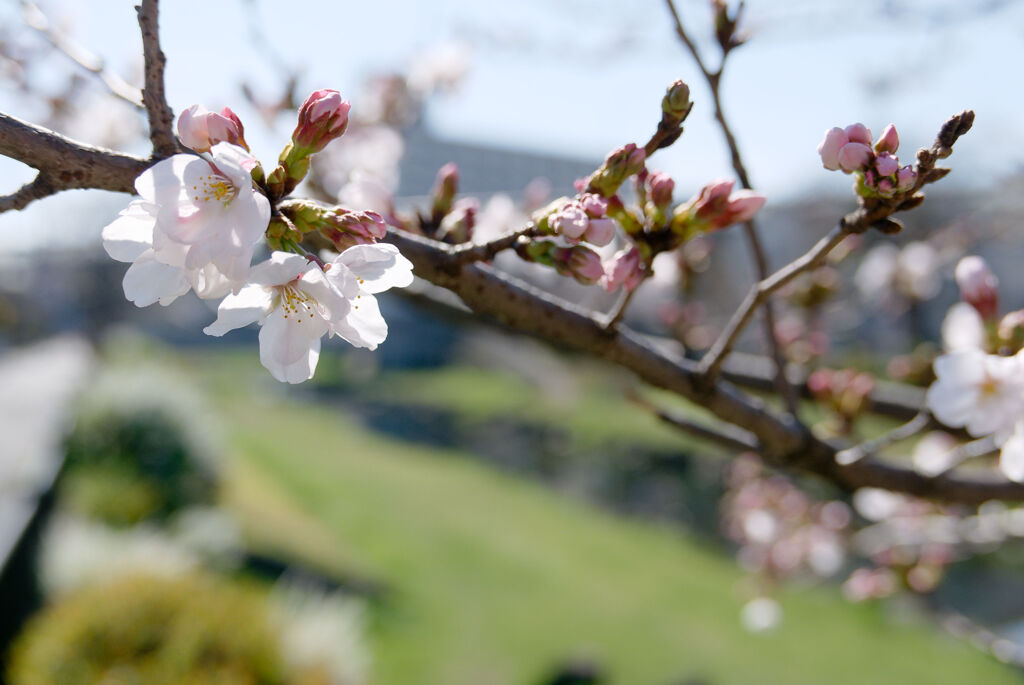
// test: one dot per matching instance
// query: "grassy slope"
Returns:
(494, 579)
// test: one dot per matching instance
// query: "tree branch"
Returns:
(784, 443)
(871, 212)
(759, 293)
(713, 80)
(63, 163)
(161, 117)
(92, 63)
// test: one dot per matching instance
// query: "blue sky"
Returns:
(579, 77)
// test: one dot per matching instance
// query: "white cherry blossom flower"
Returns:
(195, 226)
(984, 393)
(963, 328)
(296, 303)
(1011, 457)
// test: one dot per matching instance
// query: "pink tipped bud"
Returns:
(201, 129)
(835, 138)
(457, 226)
(369, 226)
(322, 118)
(620, 164)
(585, 265)
(859, 133)
(570, 221)
(625, 270)
(886, 164)
(978, 286)
(600, 232)
(889, 141)
(743, 205)
(906, 177)
(854, 156)
(446, 185)
(594, 205)
(661, 186)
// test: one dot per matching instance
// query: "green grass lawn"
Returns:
(493, 579)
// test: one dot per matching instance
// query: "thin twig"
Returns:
(161, 117)
(759, 292)
(725, 435)
(871, 447)
(89, 61)
(713, 80)
(467, 253)
(615, 316)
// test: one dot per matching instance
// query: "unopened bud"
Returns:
(201, 129)
(661, 187)
(889, 141)
(583, 264)
(979, 287)
(676, 103)
(625, 270)
(322, 118)
(618, 166)
(600, 232)
(570, 222)
(457, 225)
(716, 207)
(446, 185)
(886, 164)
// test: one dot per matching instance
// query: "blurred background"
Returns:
(464, 505)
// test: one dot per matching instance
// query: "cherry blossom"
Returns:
(201, 129)
(195, 226)
(296, 302)
(984, 393)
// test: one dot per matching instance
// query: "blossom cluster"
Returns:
(648, 228)
(877, 168)
(979, 382)
(199, 222)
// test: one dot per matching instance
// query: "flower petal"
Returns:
(251, 304)
(281, 268)
(298, 371)
(364, 326)
(283, 341)
(379, 267)
(148, 281)
(131, 233)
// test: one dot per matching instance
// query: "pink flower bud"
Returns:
(661, 186)
(322, 118)
(743, 205)
(201, 129)
(906, 177)
(446, 185)
(835, 139)
(447, 180)
(859, 133)
(625, 270)
(585, 265)
(594, 205)
(889, 141)
(886, 164)
(457, 226)
(978, 285)
(620, 164)
(600, 232)
(368, 225)
(570, 221)
(854, 156)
